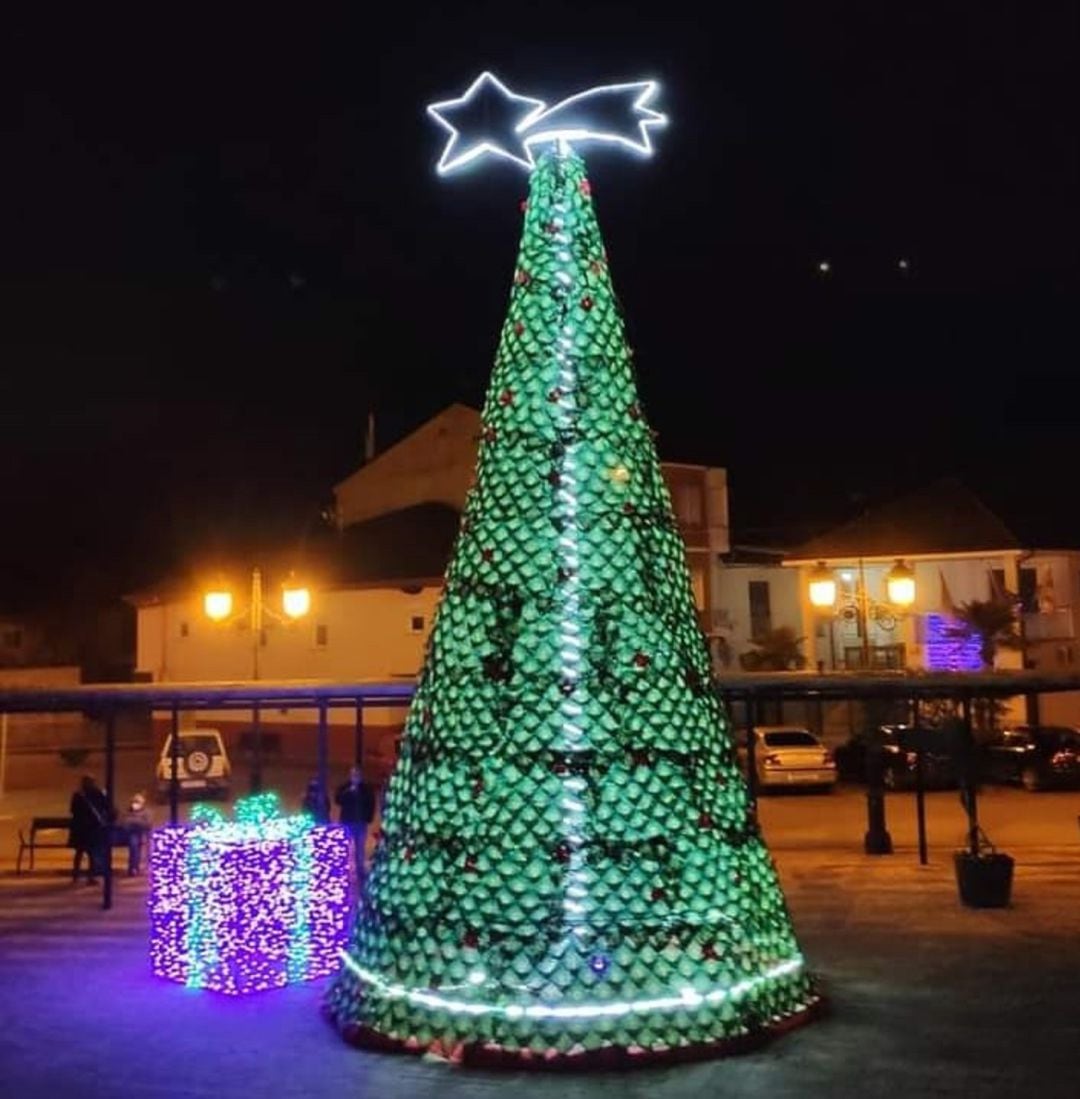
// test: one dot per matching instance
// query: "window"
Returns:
(1029, 595)
(322, 635)
(416, 623)
(760, 612)
(792, 738)
(689, 505)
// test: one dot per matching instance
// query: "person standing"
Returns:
(316, 804)
(356, 809)
(137, 824)
(89, 833)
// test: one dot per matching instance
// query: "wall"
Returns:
(434, 464)
(370, 635)
(731, 602)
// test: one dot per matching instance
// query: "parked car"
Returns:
(1040, 757)
(787, 755)
(899, 759)
(202, 765)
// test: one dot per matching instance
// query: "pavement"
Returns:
(928, 998)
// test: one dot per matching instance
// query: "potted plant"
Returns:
(983, 874)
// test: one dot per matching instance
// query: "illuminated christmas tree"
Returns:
(569, 867)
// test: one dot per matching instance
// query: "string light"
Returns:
(248, 904)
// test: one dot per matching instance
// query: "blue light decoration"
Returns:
(948, 648)
(248, 904)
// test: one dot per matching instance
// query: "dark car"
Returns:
(899, 759)
(1037, 757)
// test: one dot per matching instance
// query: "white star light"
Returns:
(461, 150)
(489, 118)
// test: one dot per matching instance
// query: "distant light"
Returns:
(218, 605)
(847, 575)
(824, 266)
(477, 977)
(902, 264)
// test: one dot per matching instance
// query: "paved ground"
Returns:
(929, 998)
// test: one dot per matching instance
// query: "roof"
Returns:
(944, 518)
(408, 546)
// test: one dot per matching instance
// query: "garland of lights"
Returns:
(248, 904)
(569, 864)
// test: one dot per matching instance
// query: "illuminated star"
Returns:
(484, 120)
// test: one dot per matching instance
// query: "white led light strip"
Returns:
(687, 998)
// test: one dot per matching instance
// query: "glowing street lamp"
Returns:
(295, 599)
(900, 584)
(822, 589)
(218, 605)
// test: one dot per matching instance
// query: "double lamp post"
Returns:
(295, 604)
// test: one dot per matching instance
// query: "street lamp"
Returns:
(823, 594)
(295, 604)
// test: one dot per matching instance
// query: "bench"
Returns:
(33, 843)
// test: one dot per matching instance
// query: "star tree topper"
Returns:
(490, 119)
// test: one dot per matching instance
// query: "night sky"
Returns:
(224, 241)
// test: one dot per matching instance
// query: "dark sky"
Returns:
(223, 240)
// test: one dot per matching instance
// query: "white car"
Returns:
(202, 764)
(789, 755)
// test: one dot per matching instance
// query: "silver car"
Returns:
(788, 755)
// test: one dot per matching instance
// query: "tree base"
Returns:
(607, 1058)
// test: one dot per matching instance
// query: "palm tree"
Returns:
(993, 621)
(775, 651)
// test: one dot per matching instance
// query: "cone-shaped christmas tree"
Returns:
(569, 865)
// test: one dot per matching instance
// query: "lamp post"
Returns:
(899, 586)
(295, 604)
(900, 589)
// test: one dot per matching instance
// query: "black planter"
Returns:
(985, 881)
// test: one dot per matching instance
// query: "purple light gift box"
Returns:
(248, 904)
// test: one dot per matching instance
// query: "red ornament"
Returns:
(478, 788)
(658, 894)
(407, 854)
(555, 394)
(586, 303)
(518, 328)
(554, 479)
(551, 227)
(560, 768)
(562, 852)
(708, 951)
(585, 188)
(640, 758)
(596, 267)
(635, 412)
(426, 715)
(522, 277)
(470, 939)
(641, 660)
(628, 508)
(490, 434)
(704, 821)
(488, 554)
(523, 205)
(506, 397)
(470, 865)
